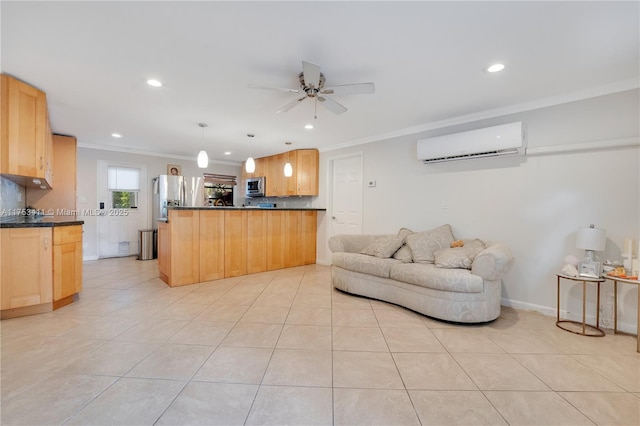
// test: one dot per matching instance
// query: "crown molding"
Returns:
(152, 154)
(620, 86)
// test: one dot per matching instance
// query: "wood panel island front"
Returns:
(198, 244)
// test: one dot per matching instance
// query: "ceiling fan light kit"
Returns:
(312, 85)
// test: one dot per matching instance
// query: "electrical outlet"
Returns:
(444, 204)
(371, 183)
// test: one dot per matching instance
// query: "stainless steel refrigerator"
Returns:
(176, 191)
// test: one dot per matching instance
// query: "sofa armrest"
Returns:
(350, 243)
(493, 262)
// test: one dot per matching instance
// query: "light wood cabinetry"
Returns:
(185, 244)
(275, 180)
(256, 241)
(212, 238)
(67, 264)
(235, 243)
(25, 269)
(304, 180)
(305, 171)
(208, 244)
(63, 194)
(23, 113)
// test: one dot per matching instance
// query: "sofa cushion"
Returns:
(424, 244)
(427, 275)
(384, 247)
(363, 263)
(459, 257)
(404, 253)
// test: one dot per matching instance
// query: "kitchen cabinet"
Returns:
(309, 231)
(276, 224)
(212, 238)
(164, 251)
(26, 268)
(23, 113)
(275, 180)
(292, 235)
(63, 194)
(235, 243)
(185, 240)
(303, 182)
(256, 241)
(67, 264)
(305, 171)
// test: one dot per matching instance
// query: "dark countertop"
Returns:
(38, 222)
(247, 208)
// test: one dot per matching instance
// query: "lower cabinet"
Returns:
(204, 245)
(67, 264)
(26, 269)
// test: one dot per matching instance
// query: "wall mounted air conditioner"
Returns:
(505, 139)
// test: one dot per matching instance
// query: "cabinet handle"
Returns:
(46, 243)
(41, 163)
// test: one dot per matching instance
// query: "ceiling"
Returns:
(426, 59)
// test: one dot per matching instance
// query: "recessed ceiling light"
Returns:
(309, 126)
(495, 68)
(154, 83)
(227, 153)
(116, 135)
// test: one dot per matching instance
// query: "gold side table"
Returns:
(587, 329)
(616, 280)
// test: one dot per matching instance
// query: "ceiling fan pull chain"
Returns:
(315, 108)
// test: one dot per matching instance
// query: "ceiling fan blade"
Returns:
(281, 89)
(311, 73)
(350, 89)
(332, 105)
(291, 104)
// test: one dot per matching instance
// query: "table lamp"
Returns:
(590, 239)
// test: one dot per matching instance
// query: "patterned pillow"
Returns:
(459, 257)
(404, 253)
(424, 244)
(383, 247)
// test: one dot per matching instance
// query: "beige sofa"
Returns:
(437, 288)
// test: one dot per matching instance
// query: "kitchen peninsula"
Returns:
(198, 244)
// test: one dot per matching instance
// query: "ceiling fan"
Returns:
(312, 86)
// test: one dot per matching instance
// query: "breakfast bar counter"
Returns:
(198, 244)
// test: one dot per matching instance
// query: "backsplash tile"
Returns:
(12, 195)
(282, 202)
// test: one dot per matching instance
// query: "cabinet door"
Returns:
(292, 239)
(275, 176)
(48, 152)
(211, 245)
(275, 239)
(26, 267)
(309, 236)
(23, 141)
(164, 251)
(67, 262)
(185, 246)
(235, 243)
(290, 183)
(306, 172)
(256, 241)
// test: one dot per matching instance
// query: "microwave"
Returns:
(255, 187)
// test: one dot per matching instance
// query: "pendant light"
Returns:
(203, 158)
(288, 170)
(250, 165)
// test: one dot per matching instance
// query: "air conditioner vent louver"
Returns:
(493, 141)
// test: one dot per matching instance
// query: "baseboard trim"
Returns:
(623, 326)
(86, 258)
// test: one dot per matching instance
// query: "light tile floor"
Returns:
(283, 347)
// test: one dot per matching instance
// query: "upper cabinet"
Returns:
(305, 171)
(25, 135)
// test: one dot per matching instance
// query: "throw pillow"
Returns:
(459, 257)
(383, 247)
(424, 244)
(404, 253)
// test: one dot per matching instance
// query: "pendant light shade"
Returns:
(288, 170)
(250, 165)
(203, 159)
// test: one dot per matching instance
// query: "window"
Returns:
(124, 185)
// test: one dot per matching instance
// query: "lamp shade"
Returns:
(250, 165)
(203, 159)
(591, 238)
(288, 170)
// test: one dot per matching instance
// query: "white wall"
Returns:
(534, 204)
(87, 182)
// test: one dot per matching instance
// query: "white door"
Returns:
(118, 226)
(346, 195)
